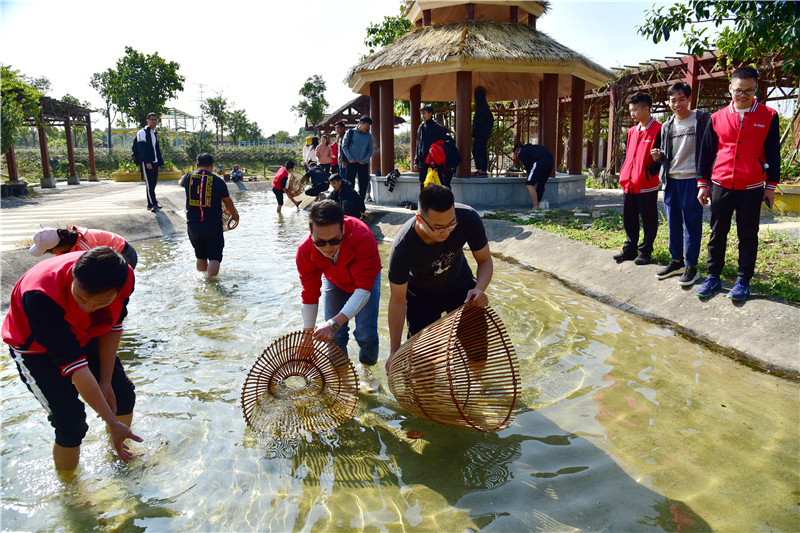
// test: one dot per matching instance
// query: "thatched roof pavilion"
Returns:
(458, 46)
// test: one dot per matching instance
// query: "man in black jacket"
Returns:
(150, 156)
(343, 193)
(482, 124)
(428, 133)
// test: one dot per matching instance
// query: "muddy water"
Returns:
(625, 426)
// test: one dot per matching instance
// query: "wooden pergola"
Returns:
(349, 113)
(458, 46)
(56, 112)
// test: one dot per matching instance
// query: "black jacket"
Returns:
(346, 192)
(703, 119)
(483, 120)
(428, 133)
(144, 143)
(536, 153)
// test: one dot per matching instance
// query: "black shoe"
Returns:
(672, 269)
(642, 259)
(155, 208)
(690, 275)
(623, 256)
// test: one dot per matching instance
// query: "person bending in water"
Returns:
(339, 257)
(76, 238)
(63, 327)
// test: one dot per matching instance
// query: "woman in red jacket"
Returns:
(79, 239)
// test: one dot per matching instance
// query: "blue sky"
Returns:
(259, 54)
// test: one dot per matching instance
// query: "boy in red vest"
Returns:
(639, 181)
(740, 163)
(64, 326)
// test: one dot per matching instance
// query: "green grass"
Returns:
(777, 273)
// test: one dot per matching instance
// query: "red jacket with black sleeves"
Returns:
(356, 267)
(744, 155)
(638, 167)
(45, 318)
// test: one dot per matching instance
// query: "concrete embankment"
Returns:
(761, 333)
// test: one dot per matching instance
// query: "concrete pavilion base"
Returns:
(484, 193)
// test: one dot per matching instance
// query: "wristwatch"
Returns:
(334, 325)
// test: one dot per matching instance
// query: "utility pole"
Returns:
(202, 114)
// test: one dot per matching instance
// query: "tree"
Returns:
(254, 131)
(19, 102)
(313, 104)
(238, 124)
(281, 137)
(758, 31)
(383, 33)
(217, 108)
(196, 144)
(104, 83)
(144, 84)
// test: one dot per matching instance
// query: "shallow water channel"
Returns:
(625, 425)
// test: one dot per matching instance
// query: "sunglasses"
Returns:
(332, 242)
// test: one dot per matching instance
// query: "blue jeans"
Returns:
(684, 219)
(366, 332)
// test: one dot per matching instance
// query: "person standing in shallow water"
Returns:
(205, 194)
(63, 327)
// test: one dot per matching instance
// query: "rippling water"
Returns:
(625, 426)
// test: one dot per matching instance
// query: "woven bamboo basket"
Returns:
(461, 370)
(227, 220)
(299, 384)
(294, 187)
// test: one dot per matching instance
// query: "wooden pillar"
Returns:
(426, 17)
(72, 179)
(470, 11)
(610, 161)
(387, 127)
(415, 103)
(574, 165)
(11, 164)
(463, 121)
(513, 15)
(596, 139)
(47, 181)
(90, 146)
(548, 115)
(375, 115)
(531, 20)
(693, 79)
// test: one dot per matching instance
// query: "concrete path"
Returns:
(759, 332)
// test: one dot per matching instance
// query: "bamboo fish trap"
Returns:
(299, 384)
(227, 220)
(461, 370)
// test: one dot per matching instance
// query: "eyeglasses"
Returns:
(331, 242)
(745, 92)
(442, 229)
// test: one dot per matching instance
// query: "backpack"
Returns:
(451, 156)
(135, 151)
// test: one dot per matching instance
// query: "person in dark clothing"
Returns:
(150, 155)
(538, 163)
(482, 123)
(344, 194)
(205, 194)
(319, 180)
(428, 133)
(357, 148)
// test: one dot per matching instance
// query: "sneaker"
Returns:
(149, 207)
(689, 276)
(623, 256)
(709, 286)
(740, 290)
(156, 209)
(642, 259)
(367, 380)
(674, 268)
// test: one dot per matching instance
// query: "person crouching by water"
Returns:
(205, 194)
(339, 257)
(282, 183)
(63, 327)
(344, 194)
(76, 238)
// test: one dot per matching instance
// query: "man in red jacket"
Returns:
(340, 257)
(64, 326)
(740, 163)
(638, 178)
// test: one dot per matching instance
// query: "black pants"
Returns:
(479, 153)
(151, 180)
(316, 190)
(747, 206)
(633, 206)
(351, 209)
(362, 172)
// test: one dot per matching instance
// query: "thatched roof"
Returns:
(452, 10)
(508, 59)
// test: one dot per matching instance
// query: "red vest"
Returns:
(634, 177)
(53, 277)
(740, 152)
(92, 238)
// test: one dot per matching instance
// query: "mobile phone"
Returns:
(767, 203)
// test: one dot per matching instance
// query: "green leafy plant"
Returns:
(128, 166)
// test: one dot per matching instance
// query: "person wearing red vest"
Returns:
(339, 257)
(63, 327)
(76, 238)
(740, 164)
(638, 178)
